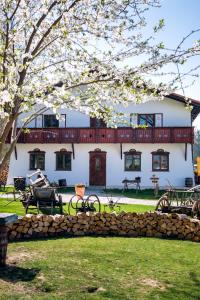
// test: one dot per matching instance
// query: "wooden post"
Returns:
(5, 219)
(73, 153)
(155, 180)
(185, 151)
(3, 245)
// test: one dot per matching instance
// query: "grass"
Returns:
(10, 189)
(102, 268)
(147, 194)
(17, 207)
(13, 207)
(7, 189)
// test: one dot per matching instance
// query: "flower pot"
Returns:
(80, 190)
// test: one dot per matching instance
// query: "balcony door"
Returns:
(97, 167)
(97, 123)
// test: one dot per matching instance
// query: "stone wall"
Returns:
(123, 224)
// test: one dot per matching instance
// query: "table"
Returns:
(134, 182)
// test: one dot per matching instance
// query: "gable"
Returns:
(195, 104)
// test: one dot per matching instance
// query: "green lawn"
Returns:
(9, 189)
(147, 194)
(102, 268)
(16, 207)
(98, 268)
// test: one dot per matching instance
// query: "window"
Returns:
(132, 161)
(146, 119)
(97, 164)
(63, 161)
(50, 121)
(160, 160)
(97, 123)
(37, 160)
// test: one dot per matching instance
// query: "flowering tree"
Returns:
(74, 53)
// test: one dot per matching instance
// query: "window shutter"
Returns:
(158, 120)
(39, 123)
(134, 119)
(62, 121)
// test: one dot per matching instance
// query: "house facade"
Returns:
(81, 149)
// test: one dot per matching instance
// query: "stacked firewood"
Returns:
(150, 224)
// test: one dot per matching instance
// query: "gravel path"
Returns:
(120, 199)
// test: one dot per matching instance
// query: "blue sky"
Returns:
(181, 17)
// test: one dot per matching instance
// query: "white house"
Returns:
(83, 150)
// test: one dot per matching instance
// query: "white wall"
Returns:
(77, 119)
(179, 168)
(174, 113)
(73, 118)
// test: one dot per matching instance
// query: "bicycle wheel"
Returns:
(93, 203)
(72, 205)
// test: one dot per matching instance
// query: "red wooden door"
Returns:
(97, 168)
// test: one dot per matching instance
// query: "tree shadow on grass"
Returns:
(14, 274)
(195, 278)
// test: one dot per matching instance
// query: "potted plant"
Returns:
(80, 189)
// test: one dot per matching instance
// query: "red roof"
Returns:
(195, 103)
(181, 98)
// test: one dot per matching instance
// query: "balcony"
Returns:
(108, 135)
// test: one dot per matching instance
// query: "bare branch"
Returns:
(15, 10)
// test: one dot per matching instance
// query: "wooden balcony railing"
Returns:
(108, 135)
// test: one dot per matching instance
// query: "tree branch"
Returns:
(5, 49)
(33, 53)
(39, 22)
(15, 10)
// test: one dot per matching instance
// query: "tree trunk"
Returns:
(7, 149)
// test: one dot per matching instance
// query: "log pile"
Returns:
(150, 224)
